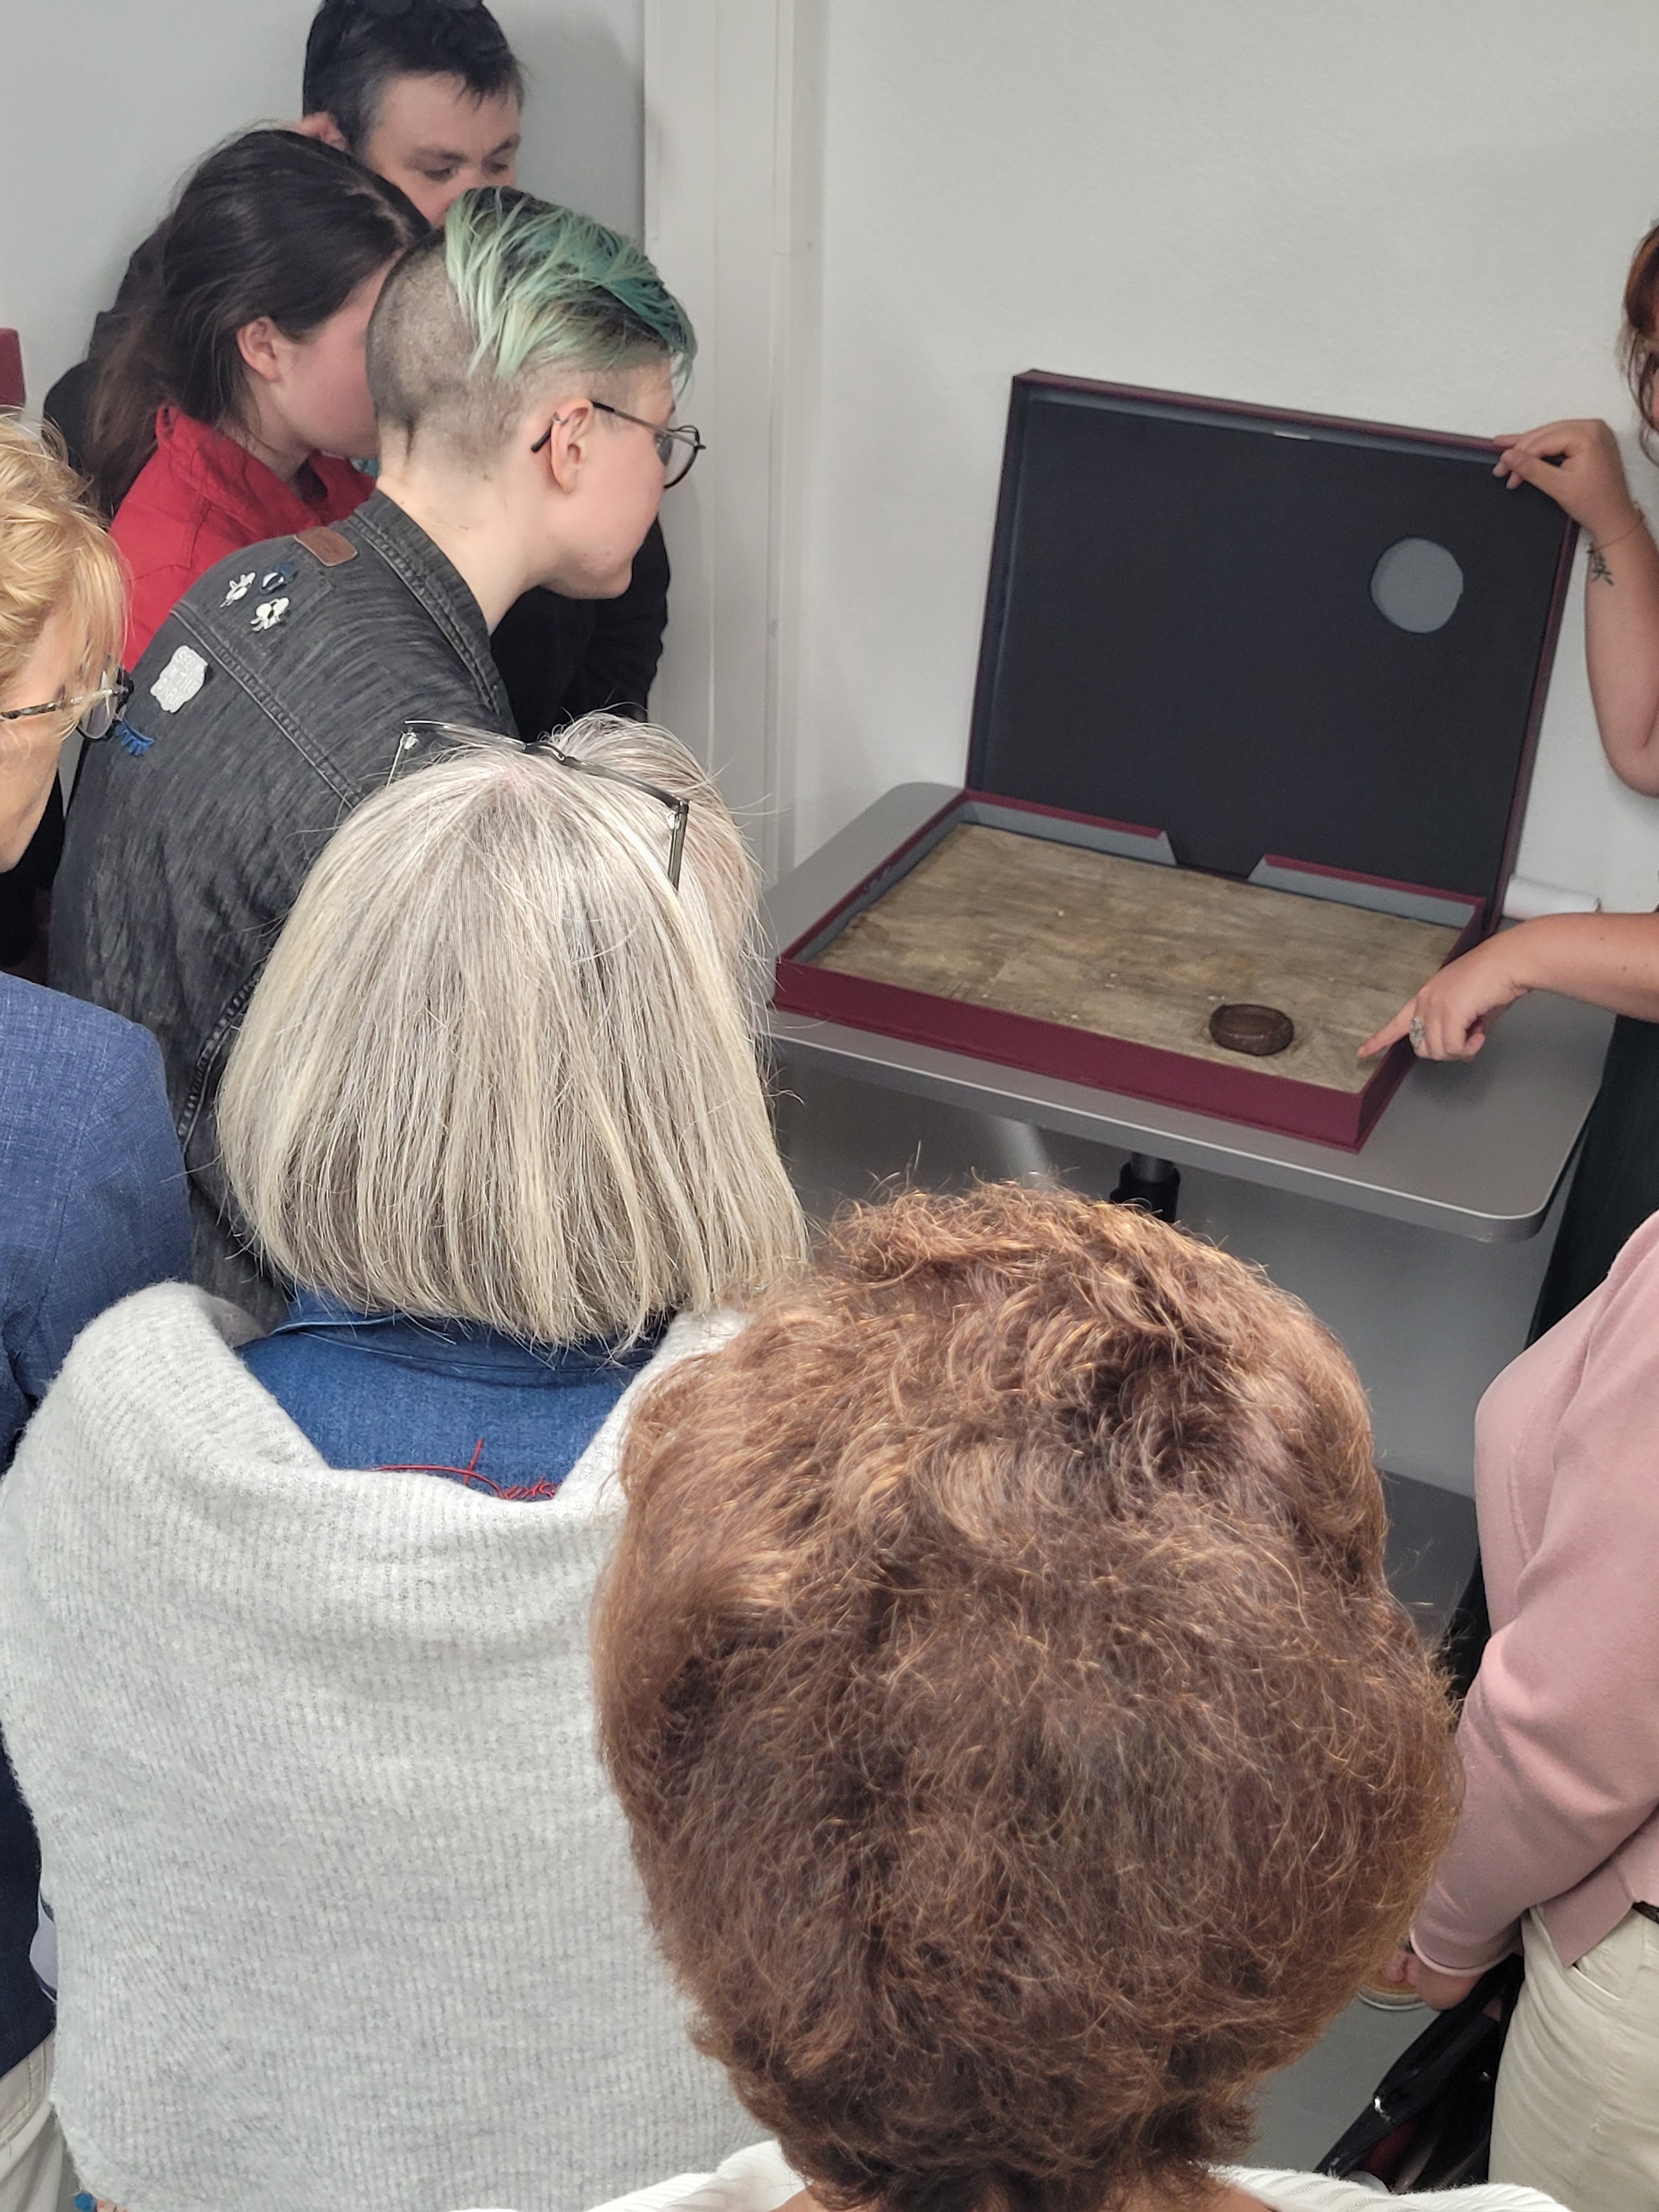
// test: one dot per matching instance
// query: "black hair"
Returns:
(273, 224)
(355, 46)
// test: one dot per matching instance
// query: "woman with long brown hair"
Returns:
(232, 406)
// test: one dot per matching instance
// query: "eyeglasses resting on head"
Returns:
(423, 742)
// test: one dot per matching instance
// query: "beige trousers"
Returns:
(34, 2171)
(1577, 2109)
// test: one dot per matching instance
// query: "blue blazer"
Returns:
(93, 1206)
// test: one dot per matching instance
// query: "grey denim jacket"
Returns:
(268, 705)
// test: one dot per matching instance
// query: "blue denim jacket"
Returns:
(445, 1398)
(92, 1207)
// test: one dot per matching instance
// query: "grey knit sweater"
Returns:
(346, 1913)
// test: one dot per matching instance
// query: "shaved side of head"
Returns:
(512, 302)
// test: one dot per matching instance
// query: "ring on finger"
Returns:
(1419, 1035)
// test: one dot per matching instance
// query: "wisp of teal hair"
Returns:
(542, 286)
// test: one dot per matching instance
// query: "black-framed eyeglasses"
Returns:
(423, 743)
(101, 710)
(678, 447)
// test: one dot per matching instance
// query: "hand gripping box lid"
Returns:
(1257, 703)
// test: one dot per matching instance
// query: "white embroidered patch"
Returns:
(269, 614)
(238, 590)
(179, 681)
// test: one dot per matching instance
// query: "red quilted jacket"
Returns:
(201, 496)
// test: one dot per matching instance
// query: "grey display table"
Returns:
(1476, 1149)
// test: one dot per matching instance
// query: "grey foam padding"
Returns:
(1416, 586)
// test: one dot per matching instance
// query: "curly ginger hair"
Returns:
(1023, 1752)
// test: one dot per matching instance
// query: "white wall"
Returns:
(1419, 213)
(733, 161)
(132, 93)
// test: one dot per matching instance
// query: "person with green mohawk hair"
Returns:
(524, 362)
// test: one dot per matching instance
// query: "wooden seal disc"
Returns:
(1259, 1030)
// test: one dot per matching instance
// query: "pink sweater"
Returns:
(1560, 1735)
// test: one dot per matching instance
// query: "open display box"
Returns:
(1257, 702)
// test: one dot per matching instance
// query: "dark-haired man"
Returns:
(428, 92)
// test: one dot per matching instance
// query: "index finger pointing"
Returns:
(1390, 1033)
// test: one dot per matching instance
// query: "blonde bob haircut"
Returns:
(499, 1070)
(54, 558)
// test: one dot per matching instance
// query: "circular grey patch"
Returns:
(1417, 584)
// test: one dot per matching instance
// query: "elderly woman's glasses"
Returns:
(677, 448)
(99, 710)
(421, 743)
